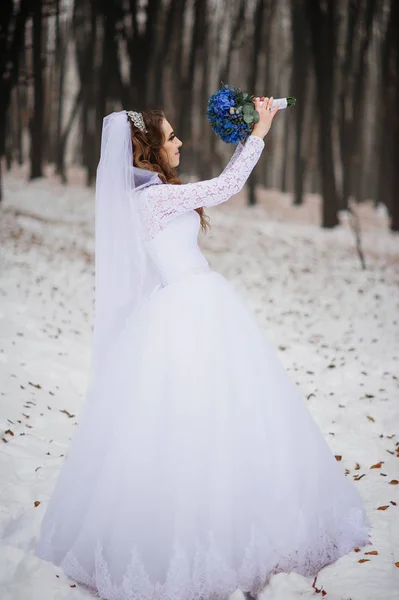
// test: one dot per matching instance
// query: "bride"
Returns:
(196, 467)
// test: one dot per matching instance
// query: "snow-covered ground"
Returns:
(336, 327)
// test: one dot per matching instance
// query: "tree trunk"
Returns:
(359, 103)
(234, 35)
(345, 117)
(386, 117)
(36, 124)
(300, 83)
(12, 40)
(61, 53)
(322, 19)
(286, 154)
(187, 90)
(268, 85)
(395, 114)
(253, 80)
(20, 109)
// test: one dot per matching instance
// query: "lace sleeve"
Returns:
(164, 202)
(234, 157)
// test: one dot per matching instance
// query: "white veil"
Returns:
(124, 274)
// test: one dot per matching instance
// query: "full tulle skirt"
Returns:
(196, 467)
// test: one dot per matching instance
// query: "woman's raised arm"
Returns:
(165, 201)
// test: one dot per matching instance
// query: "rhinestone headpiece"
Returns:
(137, 119)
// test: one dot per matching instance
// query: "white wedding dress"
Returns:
(207, 471)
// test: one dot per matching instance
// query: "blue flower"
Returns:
(230, 128)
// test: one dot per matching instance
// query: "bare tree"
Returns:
(300, 83)
(393, 29)
(12, 40)
(322, 15)
(37, 119)
(253, 74)
(352, 96)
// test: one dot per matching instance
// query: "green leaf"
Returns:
(256, 116)
(248, 119)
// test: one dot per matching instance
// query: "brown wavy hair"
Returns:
(147, 153)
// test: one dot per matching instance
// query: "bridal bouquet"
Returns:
(232, 113)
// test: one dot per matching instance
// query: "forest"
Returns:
(65, 64)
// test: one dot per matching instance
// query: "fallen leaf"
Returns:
(377, 465)
(357, 477)
(392, 502)
(363, 560)
(371, 419)
(357, 549)
(397, 564)
(318, 590)
(394, 482)
(357, 467)
(383, 507)
(66, 413)
(338, 457)
(36, 503)
(372, 553)
(36, 385)
(9, 432)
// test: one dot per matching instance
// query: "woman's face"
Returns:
(171, 145)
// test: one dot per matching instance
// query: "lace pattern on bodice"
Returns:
(161, 203)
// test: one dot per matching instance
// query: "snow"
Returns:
(335, 325)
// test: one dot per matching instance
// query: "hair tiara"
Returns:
(137, 119)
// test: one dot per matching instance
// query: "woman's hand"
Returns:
(266, 116)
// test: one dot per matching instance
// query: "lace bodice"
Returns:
(161, 203)
(170, 221)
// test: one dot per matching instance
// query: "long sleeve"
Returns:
(234, 157)
(164, 202)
